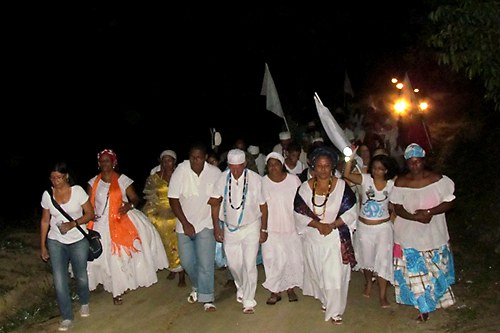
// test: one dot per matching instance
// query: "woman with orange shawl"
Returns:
(132, 248)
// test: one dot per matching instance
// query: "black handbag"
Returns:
(93, 237)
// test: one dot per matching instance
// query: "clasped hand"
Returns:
(326, 228)
(422, 216)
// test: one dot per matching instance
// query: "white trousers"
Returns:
(241, 247)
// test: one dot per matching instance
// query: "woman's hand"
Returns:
(422, 215)
(325, 228)
(125, 207)
(44, 254)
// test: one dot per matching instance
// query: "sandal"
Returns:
(193, 297)
(209, 307)
(273, 299)
(118, 300)
(248, 310)
(292, 297)
(337, 320)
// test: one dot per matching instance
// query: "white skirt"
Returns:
(373, 248)
(118, 273)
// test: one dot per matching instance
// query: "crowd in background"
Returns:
(298, 208)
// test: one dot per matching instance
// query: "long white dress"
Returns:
(326, 277)
(118, 273)
(282, 252)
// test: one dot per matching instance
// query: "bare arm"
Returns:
(263, 225)
(356, 178)
(215, 209)
(179, 213)
(44, 230)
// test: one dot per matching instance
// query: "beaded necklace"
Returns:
(227, 194)
(323, 205)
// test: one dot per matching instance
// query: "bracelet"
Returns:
(264, 230)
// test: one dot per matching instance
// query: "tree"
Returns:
(468, 40)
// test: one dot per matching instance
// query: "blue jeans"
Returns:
(198, 260)
(61, 255)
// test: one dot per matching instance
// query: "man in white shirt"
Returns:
(244, 215)
(189, 191)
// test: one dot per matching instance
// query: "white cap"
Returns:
(170, 153)
(277, 156)
(318, 139)
(236, 156)
(285, 136)
(254, 150)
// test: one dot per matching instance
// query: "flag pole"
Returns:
(426, 133)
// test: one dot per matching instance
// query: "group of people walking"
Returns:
(312, 233)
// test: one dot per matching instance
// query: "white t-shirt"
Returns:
(73, 207)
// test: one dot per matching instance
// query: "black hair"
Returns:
(389, 164)
(62, 167)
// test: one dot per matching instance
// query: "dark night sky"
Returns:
(144, 78)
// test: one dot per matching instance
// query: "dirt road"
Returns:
(163, 308)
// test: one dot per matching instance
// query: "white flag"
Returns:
(269, 90)
(335, 133)
(347, 86)
(408, 93)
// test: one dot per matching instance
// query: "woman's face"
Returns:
(415, 164)
(364, 152)
(274, 167)
(57, 178)
(105, 163)
(167, 162)
(323, 168)
(378, 169)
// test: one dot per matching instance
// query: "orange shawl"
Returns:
(122, 230)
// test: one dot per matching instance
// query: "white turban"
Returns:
(236, 156)
(254, 150)
(285, 136)
(170, 153)
(277, 156)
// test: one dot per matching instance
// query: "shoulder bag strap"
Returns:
(66, 215)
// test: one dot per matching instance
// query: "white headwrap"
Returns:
(277, 156)
(170, 153)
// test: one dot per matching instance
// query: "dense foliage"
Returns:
(467, 37)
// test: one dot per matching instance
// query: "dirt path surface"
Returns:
(163, 308)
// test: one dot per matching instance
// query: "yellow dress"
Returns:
(158, 210)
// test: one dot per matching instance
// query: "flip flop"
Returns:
(209, 307)
(273, 299)
(248, 310)
(292, 297)
(192, 298)
(118, 300)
